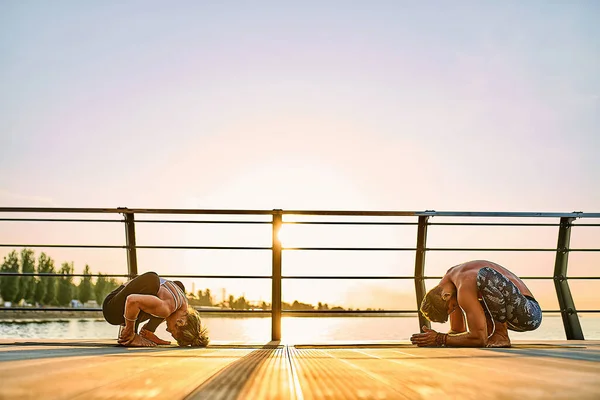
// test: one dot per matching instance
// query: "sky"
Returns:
(384, 105)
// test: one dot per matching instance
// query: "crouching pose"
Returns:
(483, 300)
(149, 297)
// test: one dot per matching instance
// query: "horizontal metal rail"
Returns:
(433, 213)
(175, 221)
(161, 247)
(58, 220)
(427, 249)
(347, 223)
(328, 277)
(375, 223)
(489, 224)
(259, 311)
(74, 246)
(58, 275)
(96, 309)
(395, 311)
(108, 246)
(425, 277)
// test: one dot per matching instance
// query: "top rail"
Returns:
(431, 213)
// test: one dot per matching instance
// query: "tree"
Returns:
(242, 304)
(27, 283)
(99, 288)
(204, 298)
(296, 305)
(42, 282)
(104, 286)
(84, 294)
(9, 285)
(208, 298)
(51, 281)
(65, 285)
(111, 285)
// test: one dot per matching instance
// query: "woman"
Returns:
(149, 297)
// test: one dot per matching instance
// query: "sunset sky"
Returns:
(384, 105)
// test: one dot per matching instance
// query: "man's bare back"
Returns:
(466, 274)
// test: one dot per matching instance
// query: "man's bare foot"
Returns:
(138, 341)
(498, 341)
(152, 337)
(500, 337)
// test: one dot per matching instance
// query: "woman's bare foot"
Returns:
(138, 341)
(500, 336)
(152, 337)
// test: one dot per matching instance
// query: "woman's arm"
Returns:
(141, 302)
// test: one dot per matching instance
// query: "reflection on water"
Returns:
(294, 329)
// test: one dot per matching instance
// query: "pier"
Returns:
(100, 369)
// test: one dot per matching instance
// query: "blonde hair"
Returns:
(193, 333)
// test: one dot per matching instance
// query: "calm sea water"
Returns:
(294, 329)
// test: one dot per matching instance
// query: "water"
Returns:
(294, 329)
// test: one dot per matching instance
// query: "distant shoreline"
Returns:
(41, 316)
(7, 315)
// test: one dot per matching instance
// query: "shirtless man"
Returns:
(483, 300)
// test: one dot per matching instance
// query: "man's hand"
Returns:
(425, 339)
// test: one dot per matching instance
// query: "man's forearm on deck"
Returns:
(466, 339)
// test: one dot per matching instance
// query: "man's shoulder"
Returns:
(471, 265)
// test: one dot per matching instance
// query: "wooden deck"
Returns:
(45, 369)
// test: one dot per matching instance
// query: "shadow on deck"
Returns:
(100, 370)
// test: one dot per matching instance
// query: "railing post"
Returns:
(420, 268)
(276, 278)
(565, 299)
(130, 242)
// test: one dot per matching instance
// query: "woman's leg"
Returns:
(153, 323)
(113, 306)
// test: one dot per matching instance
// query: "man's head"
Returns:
(188, 330)
(438, 303)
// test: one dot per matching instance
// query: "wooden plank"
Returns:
(262, 374)
(323, 376)
(447, 372)
(70, 376)
(171, 376)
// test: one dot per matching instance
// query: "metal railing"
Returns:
(564, 222)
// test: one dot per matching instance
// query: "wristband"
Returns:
(440, 339)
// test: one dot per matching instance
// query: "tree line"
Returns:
(205, 299)
(60, 290)
(49, 290)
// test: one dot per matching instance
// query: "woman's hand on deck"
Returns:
(138, 341)
(127, 334)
